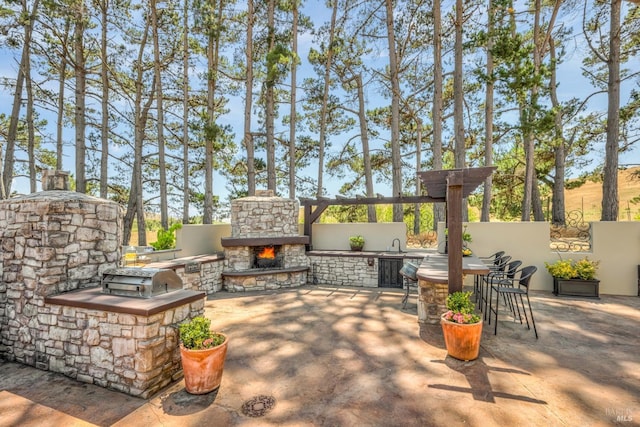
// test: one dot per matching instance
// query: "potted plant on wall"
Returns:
(461, 327)
(356, 243)
(466, 239)
(203, 353)
(575, 278)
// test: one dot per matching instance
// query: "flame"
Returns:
(267, 252)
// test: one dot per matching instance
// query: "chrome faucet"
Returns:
(393, 243)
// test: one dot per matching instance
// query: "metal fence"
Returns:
(574, 236)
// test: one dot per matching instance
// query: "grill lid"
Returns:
(139, 282)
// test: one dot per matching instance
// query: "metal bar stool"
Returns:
(508, 287)
(408, 272)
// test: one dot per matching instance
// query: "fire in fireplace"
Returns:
(267, 257)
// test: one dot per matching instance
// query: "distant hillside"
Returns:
(589, 197)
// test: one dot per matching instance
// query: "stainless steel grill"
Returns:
(140, 282)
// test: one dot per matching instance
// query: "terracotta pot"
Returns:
(202, 369)
(462, 340)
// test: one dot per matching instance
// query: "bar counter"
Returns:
(433, 284)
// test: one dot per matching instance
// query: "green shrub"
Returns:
(584, 269)
(356, 241)
(166, 238)
(196, 334)
(461, 309)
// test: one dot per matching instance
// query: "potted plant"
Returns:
(461, 327)
(356, 243)
(575, 278)
(466, 239)
(202, 352)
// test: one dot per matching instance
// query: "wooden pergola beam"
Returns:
(450, 186)
(313, 208)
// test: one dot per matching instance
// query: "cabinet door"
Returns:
(389, 272)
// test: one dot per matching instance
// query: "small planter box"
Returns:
(576, 287)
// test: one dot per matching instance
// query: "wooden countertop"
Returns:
(435, 267)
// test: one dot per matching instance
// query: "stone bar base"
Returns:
(432, 298)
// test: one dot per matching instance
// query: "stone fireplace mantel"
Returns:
(228, 242)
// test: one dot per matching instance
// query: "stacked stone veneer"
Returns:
(264, 216)
(239, 258)
(258, 217)
(209, 277)
(53, 242)
(344, 270)
(56, 241)
(134, 354)
(208, 280)
(432, 301)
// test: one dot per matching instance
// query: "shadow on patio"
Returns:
(351, 356)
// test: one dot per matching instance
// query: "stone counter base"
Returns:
(134, 354)
(432, 299)
(261, 281)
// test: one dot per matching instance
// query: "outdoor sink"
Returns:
(394, 252)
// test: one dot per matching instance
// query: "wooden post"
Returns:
(454, 221)
(307, 226)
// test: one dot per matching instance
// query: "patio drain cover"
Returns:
(258, 406)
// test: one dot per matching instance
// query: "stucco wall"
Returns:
(198, 239)
(377, 236)
(615, 244)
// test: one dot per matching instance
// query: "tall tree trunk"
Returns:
(248, 89)
(292, 114)
(14, 120)
(485, 215)
(458, 101)
(164, 204)
(185, 114)
(416, 208)
(29, 117)
(325, 99)
(366, 154)
(270, 101)
(135, 205)
(557, 198)
(396, 165)
(531, 198)
(80, 94)
(436, 146)
(610, 171)
(527, 141)
(61, 90)
(538, 212)
(12, 134)
(104, 128)
(213, 50)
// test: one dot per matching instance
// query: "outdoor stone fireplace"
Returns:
(265, 250)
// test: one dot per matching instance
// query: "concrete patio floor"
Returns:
(348, 356)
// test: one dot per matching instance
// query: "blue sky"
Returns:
(571, 84)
